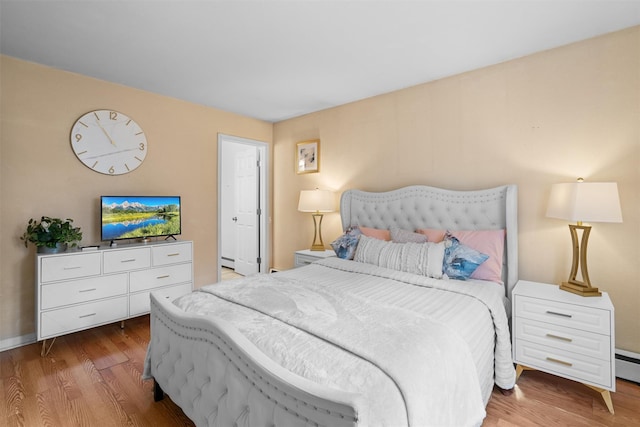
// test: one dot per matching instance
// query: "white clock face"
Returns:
(108, 142)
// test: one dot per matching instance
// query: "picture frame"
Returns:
(307, 159)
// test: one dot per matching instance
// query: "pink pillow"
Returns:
(376, 233)
(489, 242)
(433, 235)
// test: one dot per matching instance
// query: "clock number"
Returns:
(113, 115)
(78, 137)
(141, 146)
(112, 170)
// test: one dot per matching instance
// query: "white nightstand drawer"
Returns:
(302, 260)
(564, 314)
(159, 277)
(569, 339)
(75, 318)
(171, 253)
(569, 365)
(82, 290)
(306, 256)
(64, 267)
(126, 260)
(140, 303)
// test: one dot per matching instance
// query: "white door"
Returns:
(227, 208)
(246, 203)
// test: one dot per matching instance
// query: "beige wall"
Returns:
(40, 175)
(546, 118)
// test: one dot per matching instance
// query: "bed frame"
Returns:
(419, 206)
(218, 377)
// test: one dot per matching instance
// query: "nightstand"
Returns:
(307, 256)
(567, 335)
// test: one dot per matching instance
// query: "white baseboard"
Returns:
(9, 343)
(628, 365)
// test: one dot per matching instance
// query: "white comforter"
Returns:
(420, 350)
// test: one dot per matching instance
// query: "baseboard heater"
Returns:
(628, 365)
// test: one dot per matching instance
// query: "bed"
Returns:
(377, 340)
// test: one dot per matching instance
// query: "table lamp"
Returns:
(588, 202)
(316, 201)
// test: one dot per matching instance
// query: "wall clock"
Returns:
(108, 142)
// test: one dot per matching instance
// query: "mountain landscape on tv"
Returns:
(140, 217)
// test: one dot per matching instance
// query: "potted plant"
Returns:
(51, 235)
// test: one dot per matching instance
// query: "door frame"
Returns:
(263, 177)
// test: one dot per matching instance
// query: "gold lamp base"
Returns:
(573, 285)
(585, 291)
(318, 244)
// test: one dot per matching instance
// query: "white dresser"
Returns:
(78, 290)
(565, 334)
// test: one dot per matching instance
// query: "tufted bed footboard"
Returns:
(219, 378)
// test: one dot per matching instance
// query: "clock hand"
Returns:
(110, 154)
(105, 132)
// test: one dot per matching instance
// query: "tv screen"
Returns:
(131, 217)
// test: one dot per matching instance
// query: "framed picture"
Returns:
(308, 156)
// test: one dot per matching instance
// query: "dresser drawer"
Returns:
(159, 277)
(574, 366)
(78, 317)
(64, 267)
(574, 340)
(125, 260)
(171, 253)
(82, 290)
(569, 315)
(139, 303)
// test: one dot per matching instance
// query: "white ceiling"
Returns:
(274, 60)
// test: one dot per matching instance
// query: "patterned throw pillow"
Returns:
(417, 258)
(345, 245)
(403, 236)
(460, 261)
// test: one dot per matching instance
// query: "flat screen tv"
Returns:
(139, 217)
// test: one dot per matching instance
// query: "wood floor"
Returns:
(93, 378)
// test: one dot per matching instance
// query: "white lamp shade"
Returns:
(316, 201)
(585, 201)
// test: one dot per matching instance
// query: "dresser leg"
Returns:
(45, 351)
(606, 395)
(122, 324)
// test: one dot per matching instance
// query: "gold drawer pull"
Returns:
(163, 277)
(73, 268)
(176, 254)
(562, 362)
(87, 315)
(87, 290)
(560, 338)
(559, 314)
(128, 260)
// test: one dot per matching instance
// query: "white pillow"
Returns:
(424, 259)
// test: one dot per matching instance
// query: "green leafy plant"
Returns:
(51, 231)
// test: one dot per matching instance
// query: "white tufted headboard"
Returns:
(419, 206)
